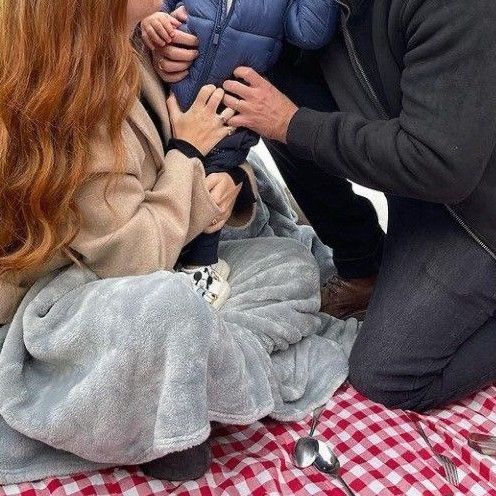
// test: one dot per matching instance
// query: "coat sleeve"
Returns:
(138, 231)
(311, 24)
(437, 149)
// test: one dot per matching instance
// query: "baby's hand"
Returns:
(158, 30)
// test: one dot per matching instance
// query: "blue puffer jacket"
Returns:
(251, 33)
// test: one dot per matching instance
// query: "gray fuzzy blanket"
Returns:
(97, 373)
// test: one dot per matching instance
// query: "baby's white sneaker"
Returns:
(209, 284)
(222, 268)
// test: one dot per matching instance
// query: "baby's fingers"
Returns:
(174, 22)
(153, 36)
(162, 28)
(180, 14)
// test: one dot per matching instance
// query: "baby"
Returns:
(234, 33)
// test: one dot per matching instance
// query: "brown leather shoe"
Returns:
(346, 298)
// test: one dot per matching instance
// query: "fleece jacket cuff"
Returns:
(303, 132)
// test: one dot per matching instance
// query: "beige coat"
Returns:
(153, 211)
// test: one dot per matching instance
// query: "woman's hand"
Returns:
(201, 126)
(173, 61)
(224, 193)
(259, 105)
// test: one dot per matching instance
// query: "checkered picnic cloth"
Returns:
(380, 450)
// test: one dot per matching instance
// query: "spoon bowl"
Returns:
(306, 452)
(327, 462)
(307, 449)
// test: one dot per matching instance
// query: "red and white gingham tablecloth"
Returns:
(380, 450)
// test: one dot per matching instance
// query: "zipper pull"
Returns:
(217, 36)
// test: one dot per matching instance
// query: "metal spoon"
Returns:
(307, 448)
(327, 462)
(306, 452)
(317, 413)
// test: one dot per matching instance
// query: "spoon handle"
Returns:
(316, 416)
(346, 488)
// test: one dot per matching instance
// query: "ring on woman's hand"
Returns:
(223, 118)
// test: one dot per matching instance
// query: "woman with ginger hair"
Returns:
(97, 203)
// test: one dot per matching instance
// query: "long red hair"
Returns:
(67, 67)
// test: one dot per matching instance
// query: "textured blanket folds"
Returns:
(97, 373)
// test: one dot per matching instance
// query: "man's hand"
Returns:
(259, 105)
(173, 61)
(224, 193)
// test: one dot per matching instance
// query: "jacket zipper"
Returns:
(221, 23)
(357, 66)
(467, 229)
(363, 78)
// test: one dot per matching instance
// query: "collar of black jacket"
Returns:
(356, 7)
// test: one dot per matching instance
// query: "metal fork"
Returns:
(447, 463)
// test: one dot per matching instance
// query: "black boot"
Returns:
(184, 465)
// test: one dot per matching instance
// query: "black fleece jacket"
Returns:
(434, 138)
